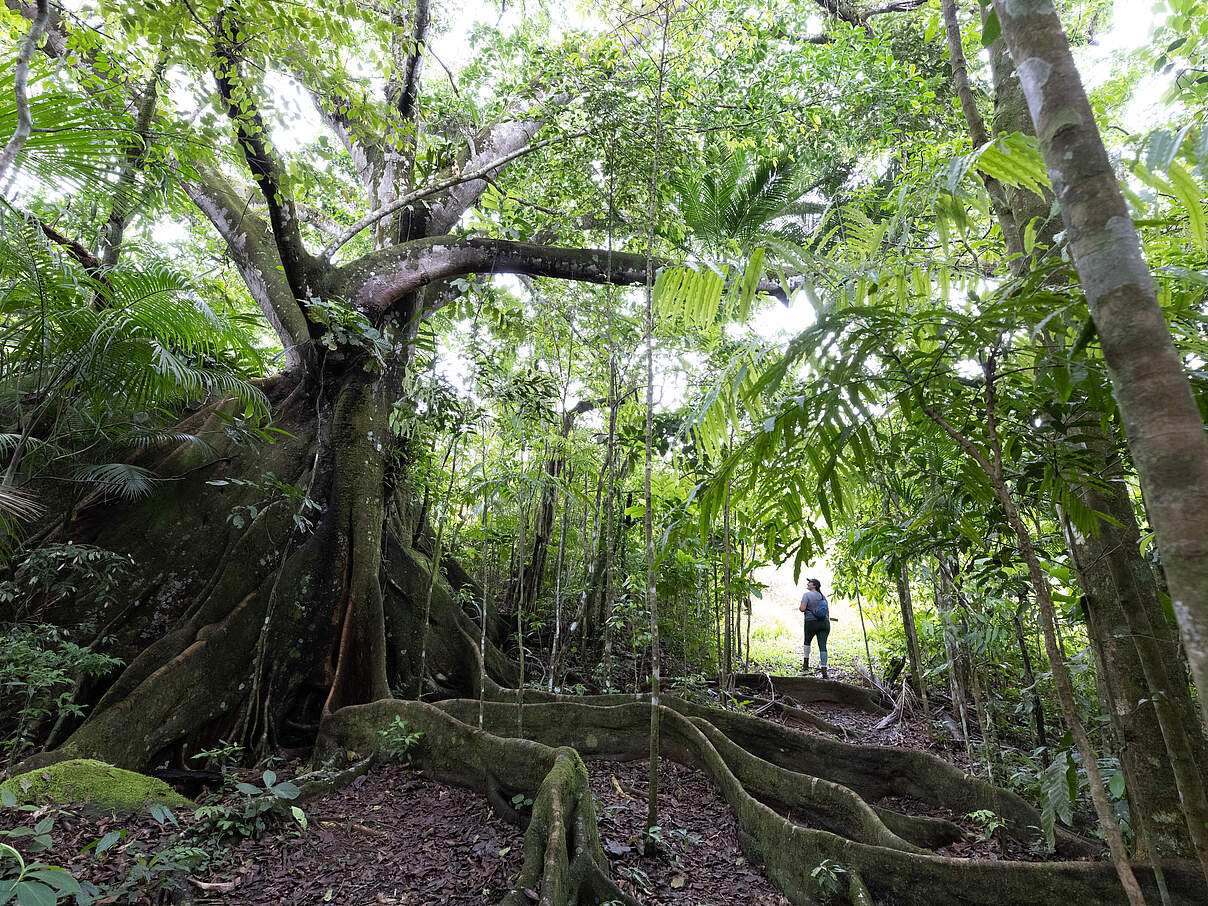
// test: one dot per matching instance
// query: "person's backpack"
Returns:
(815, 605)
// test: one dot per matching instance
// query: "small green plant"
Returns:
(399, 743)
(224, 756)
(828, 875)
(345, 326)
(27, 883)
(521, 801)
(686, 837)
(39, 672)
(259, 808)
(989, 822)
(652, 836)
(305, 508)
(162, 871)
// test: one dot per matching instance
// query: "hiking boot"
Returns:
(824, 676)
(805, 667)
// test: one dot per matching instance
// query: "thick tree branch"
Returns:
(252, 134)
(73, 247)
(55, 34)
(25, 122)
(251, 246)
(977, 126)
(503, 143)
(479, 175)
(414, 63)
(375, 282)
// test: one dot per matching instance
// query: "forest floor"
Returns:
(395, 836)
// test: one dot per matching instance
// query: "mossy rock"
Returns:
(83, 781)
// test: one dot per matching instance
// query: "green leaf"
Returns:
(1116, 784)
(35, 893)
(8, 798)
(1014, 160)
(991, 29)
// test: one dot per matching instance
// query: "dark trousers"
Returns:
(817, 629)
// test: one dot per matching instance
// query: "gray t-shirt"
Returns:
(811, 599)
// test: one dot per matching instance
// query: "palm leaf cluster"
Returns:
(99, 362)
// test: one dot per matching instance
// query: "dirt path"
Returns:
(700, 863)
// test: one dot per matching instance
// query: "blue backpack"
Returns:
(816, 605)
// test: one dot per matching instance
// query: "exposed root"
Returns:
(564, 862)
(892, 868)
(805, 689)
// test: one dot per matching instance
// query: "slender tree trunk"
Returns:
(721, 664)
(1161, 419)
(990, 748)
(955, 648)
(863, 628)
(652, 603)
(1042, 737)
(434, 567)
(555, 652)
(29, 46)
(992, 467)
(727, 575)
(918, 680)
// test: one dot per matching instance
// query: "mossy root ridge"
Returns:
(893, 868)
(99, 786)
(807, 689)
(564, 863)
(871, 772)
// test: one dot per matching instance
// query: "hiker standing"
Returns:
(817, 621)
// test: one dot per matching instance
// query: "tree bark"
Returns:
(1161, 420)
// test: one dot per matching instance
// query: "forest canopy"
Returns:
(503, 373)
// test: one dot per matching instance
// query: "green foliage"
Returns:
(829, 876)
(39, 672)
(399, 743)
(343, 327)
(989, 822)
(258, 808)
(31, 883)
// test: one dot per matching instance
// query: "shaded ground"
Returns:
(390, 837)
(700, 861)
(395, 836)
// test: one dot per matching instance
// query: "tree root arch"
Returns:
(885, 852)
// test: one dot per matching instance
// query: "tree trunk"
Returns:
(917, 680)
(1149, 700)
(1042, 738)
(1161, 420)
(224, 604)
(992, 466)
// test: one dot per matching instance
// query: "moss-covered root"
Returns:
(82, 781)
(893, 875)
(871, 772)
(563, 860)
(806, 689)
(564, 864)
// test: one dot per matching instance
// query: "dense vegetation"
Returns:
(378, 372)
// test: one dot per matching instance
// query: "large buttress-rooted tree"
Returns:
(263, 625)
